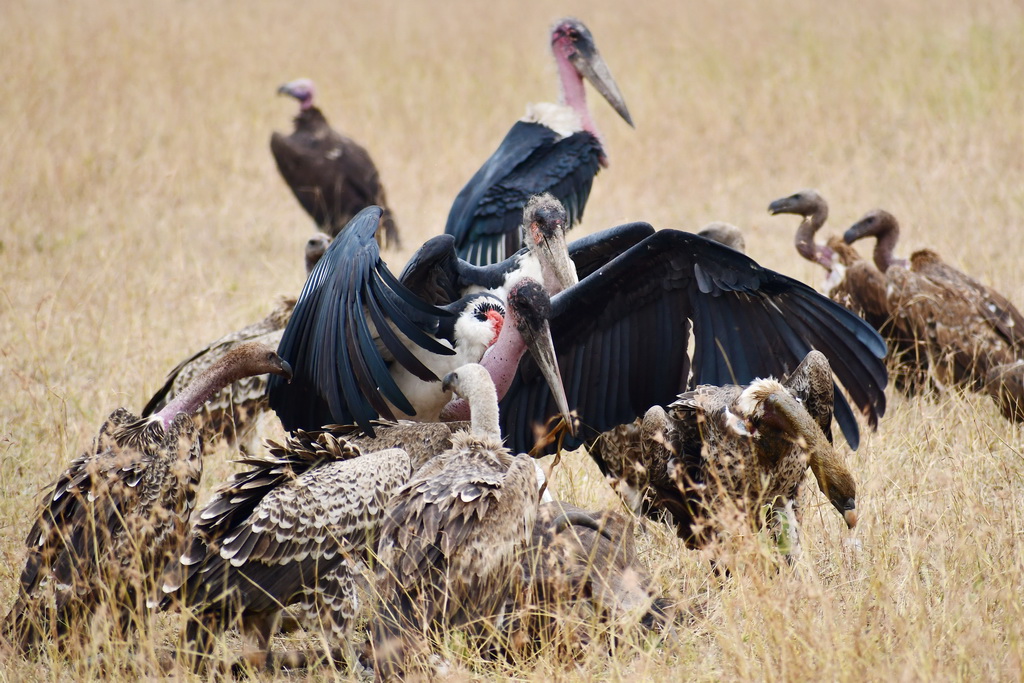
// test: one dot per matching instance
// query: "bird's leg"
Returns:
(261, 626)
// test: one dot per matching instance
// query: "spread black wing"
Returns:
(351, 321)
(622, 333)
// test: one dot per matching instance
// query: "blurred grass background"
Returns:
(142, 216)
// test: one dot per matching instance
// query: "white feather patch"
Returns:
(558, 117)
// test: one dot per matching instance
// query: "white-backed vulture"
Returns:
(110, 522)
(856, 284)
(291, 530)
(235, 410)
(725, 233)
(964, 328)
(582, 564)
(722, 451)
(450, 546)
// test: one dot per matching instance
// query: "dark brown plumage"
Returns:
(582, 564)
(332, 176)
(291, 530)
(964, 329)
(234, 411)
(111, 521)
(451, 538)
(724, 452)
(1005, 384)
(857, 285)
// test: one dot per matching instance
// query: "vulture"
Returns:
(108, 524)
(332, 176)
(722, 452)
(725, 233)
(555, 148)
(964, 329)
(856, 284)
(836, 257)
(291, 530)
(234, 411)
(260, 545)
(1005, 384)
(580, 564)
(452, 537)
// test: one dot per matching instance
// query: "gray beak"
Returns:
(286, 370)
(590, 64)
(778, 206)
(556, 254)
(543, 349)
(856, 231)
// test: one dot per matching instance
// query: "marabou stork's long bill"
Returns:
(555, 148)
(620, 334)
(363, 345)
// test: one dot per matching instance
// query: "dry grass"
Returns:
(143, 216)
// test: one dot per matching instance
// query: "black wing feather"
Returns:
(749, 322)
(531, 159)
(339, 372)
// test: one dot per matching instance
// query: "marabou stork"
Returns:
(364, 345)
(332, 176)
(555, 148)
(620, 333)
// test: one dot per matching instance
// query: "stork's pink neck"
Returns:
(575, 96)
(501, 361)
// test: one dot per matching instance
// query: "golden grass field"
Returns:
(142, 217)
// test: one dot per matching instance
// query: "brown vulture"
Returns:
(234, 411)
(109, 523)
(332, 176)
(966, 330)
(452, 537)
(722, 452)
(857, 285)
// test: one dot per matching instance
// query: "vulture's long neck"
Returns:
(229, 368)
(885, 247)
(805, 244)
(501, 361)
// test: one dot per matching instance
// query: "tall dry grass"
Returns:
(142, 216)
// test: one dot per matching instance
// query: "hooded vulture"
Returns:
(332, 176)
